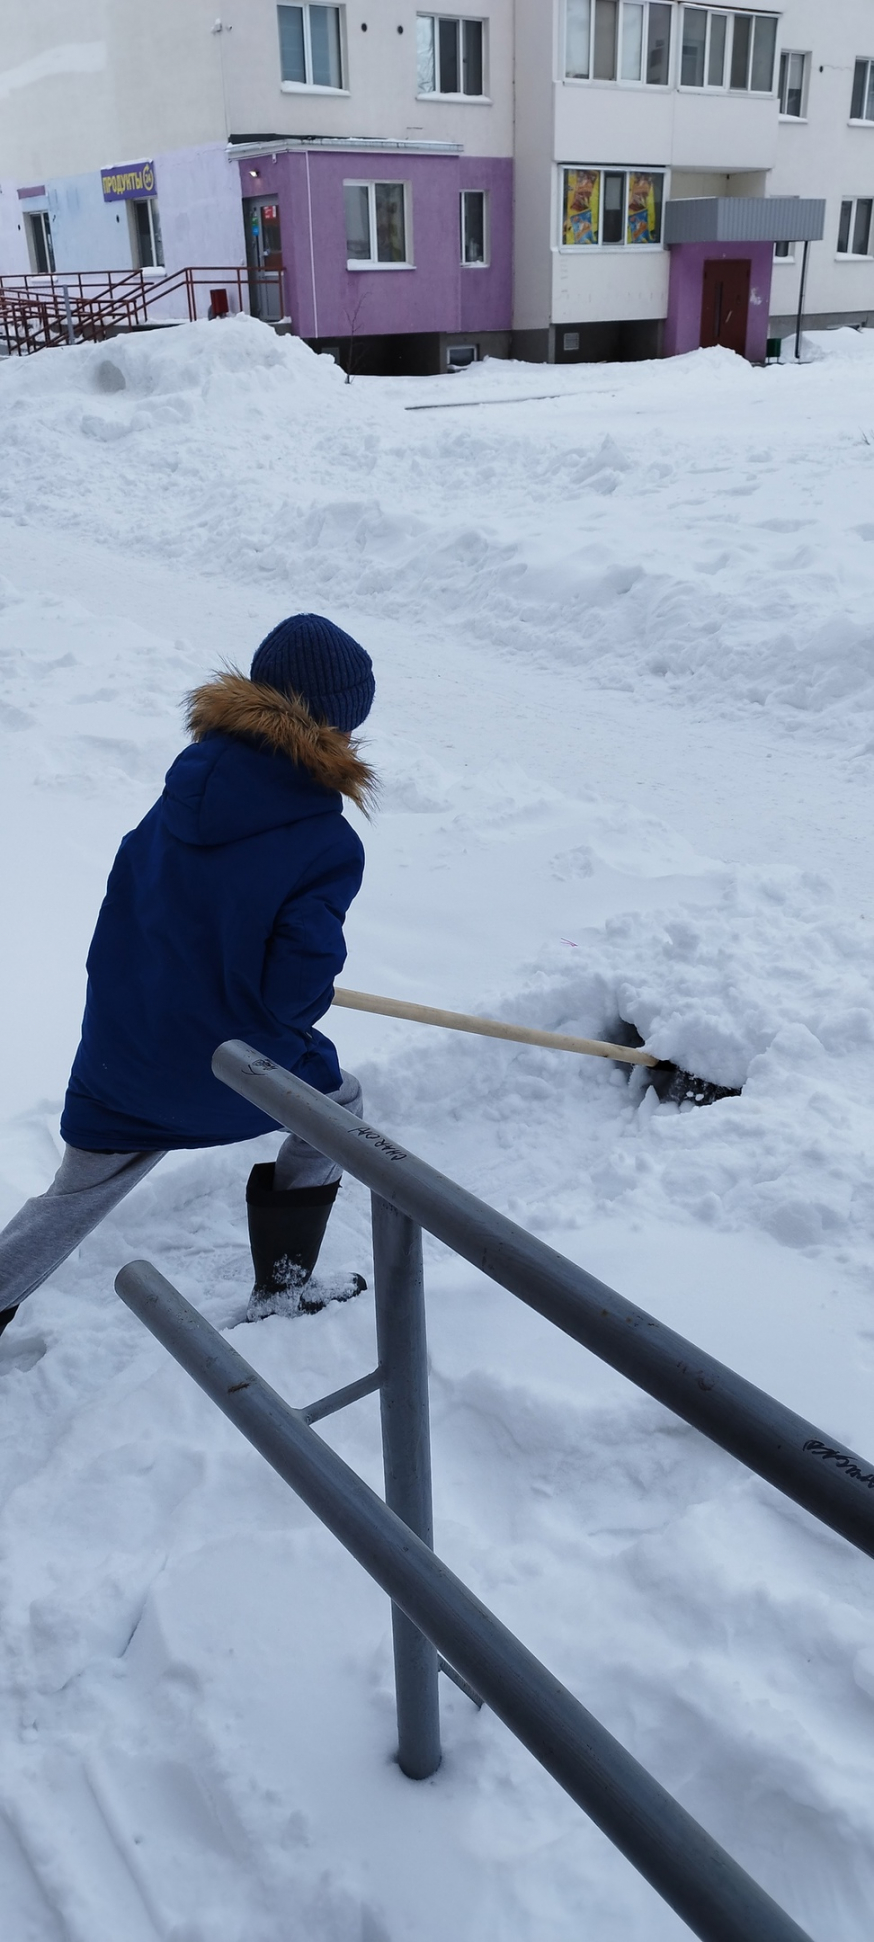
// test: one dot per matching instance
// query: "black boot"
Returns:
(286, 1230)
(6, 1315)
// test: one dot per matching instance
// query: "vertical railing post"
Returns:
(406, 1449)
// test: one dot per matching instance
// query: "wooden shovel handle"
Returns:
(462, 1021)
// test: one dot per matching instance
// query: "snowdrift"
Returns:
(226, 446)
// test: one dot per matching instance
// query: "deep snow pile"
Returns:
(625, 659)
(598, 527)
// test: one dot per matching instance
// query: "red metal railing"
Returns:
(82, 306)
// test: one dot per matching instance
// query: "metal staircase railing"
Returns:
(433, 1612)
(42, 311)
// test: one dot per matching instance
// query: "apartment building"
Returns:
(366, 147)
(563, 178)
(638, 122)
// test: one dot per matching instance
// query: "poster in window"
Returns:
(581, 199)
(644, 207)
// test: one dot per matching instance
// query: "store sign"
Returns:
(121, 183)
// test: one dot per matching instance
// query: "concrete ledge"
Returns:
(822, 320)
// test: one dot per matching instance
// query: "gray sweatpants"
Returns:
(87, 1186)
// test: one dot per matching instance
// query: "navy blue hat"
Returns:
(308, 656)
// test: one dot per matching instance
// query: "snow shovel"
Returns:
(670, 1081)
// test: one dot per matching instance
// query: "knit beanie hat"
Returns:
(308, 656)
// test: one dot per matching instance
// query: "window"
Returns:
(148, 247)
(310, 47)
(626, 40)
(39, 236)
(854, 228)
(603, 206)
(376, 224)
(733, 50)
(474, 227)
(450, 55)
(793, 75)
(862, 104)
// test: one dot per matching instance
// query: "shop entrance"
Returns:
(264, 258)
(39, 236)
(725, 303)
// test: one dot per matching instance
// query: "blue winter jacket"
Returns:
(223, 918)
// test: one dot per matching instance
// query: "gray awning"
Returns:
(743, 219)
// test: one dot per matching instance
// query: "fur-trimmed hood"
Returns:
(223, 918)
(231, 704)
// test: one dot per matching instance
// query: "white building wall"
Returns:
(709, 143)
(533, 170)
(724, 131)
(87, 233)
(109, 81)
(13, 242)
(610, 286)
(826, 155)
(85, 83)
(201, 207)
(381, 76)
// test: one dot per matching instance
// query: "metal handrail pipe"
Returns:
(706, 1888)
(351, 1392)
(816, 1471)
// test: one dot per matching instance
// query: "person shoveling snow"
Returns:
(223, 918)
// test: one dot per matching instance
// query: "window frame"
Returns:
(471, 263)
(788, 54)
(310, 86)
(602, 170)
(618, 79)
(730, 15)
(460, 20)
(156, 240)
(850, 255)
(863, 120)
(38, 231)
(371, 184)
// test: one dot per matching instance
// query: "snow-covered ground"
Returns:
(622, 625)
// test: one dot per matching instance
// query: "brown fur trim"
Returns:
(231, 704)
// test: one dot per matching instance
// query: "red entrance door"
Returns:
(725, 304)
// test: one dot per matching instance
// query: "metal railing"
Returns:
(39, 311)
(433, 1612)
